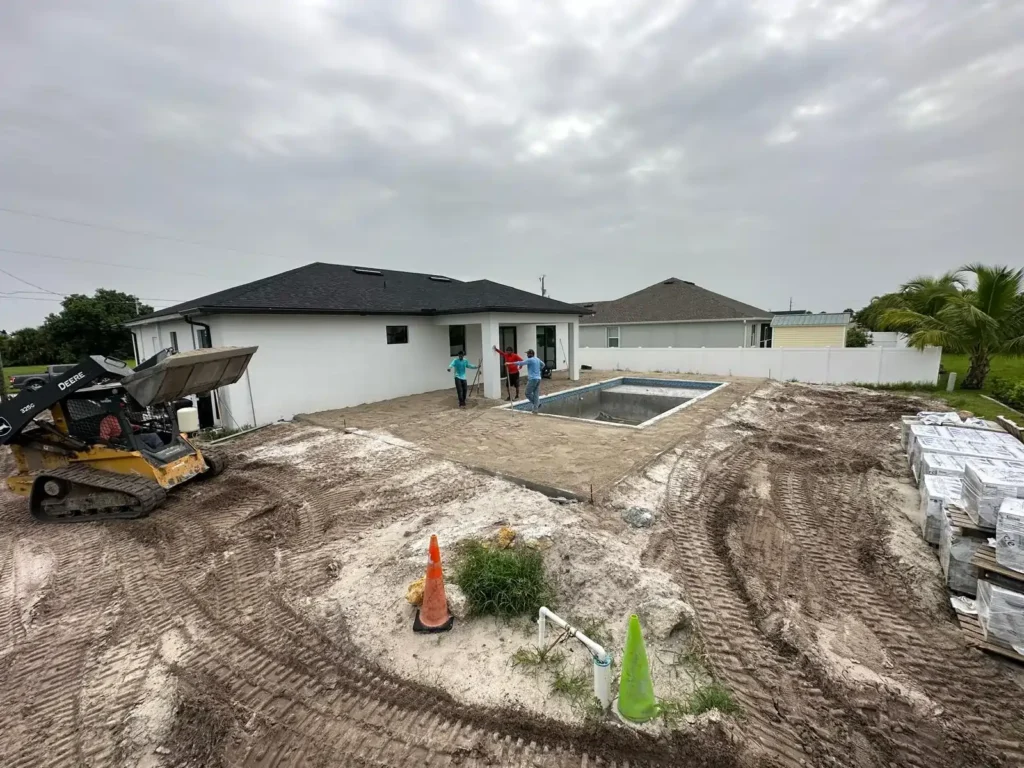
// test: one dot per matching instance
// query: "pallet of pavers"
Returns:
(959, 541)
(998, 625)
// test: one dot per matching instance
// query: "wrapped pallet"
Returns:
(985, 487)
(936, 492)
(952, 465)
(1010, 534)
(1001, 614)
(955, 554)
(943, 465)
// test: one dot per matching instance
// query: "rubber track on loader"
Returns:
(148, 494)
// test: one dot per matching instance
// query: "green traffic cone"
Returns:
(636, 691)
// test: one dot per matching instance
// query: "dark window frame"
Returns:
(174, 341)
(455, 346)
(397, 334)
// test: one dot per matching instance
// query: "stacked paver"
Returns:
(936, 493)
(971, 477)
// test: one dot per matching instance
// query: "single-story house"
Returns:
(674, 313)
(332, 336)
(807, 330)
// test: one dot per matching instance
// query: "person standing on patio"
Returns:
(534, 369)
(459, 365)
(511, 369)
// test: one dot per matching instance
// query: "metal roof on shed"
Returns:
(787, 321)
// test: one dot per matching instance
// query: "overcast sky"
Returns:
(824, 151)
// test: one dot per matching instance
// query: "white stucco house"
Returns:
(332, 336)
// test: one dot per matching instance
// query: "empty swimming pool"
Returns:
(625, 401)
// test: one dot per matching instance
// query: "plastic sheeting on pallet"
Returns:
(985, 487)
(955, 554)
(936, 492)
(987, 448)
(1001, 614)
(952, 465)
(1010, 534)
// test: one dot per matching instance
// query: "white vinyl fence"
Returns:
(866, 365)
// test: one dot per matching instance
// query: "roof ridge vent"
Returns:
(439, 278)
(366, 271)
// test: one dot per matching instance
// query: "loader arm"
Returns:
(18, 412)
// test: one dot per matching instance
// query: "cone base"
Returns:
(631, 723)
(420, 627)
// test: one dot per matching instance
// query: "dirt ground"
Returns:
(227, 629)
(577, 456)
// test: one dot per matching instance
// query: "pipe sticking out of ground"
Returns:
(602, 661)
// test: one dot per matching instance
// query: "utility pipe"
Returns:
(602, 661)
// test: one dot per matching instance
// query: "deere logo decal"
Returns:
(5, 427)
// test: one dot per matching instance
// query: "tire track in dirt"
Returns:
(811, 501)
(215, 566)
(915, 640)
(768, 687)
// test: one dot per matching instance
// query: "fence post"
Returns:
(951, 383)
(881, 361)
(828, 364)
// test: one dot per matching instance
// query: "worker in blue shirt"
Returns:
(459, 365)
(534, 369)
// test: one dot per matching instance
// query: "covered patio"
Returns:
(554, 339)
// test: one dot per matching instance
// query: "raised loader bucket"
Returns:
(188, 373)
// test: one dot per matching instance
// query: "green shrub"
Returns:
(502, 582)
(1008, 391)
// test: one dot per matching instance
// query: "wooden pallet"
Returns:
(976, 637)
(1011, 427)
(985, 561)
(960, 519)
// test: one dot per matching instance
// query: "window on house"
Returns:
(398, 334)
(456, 339)
(613, 335)
(203, 338)
(174, 342)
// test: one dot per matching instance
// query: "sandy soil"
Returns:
(257, 619)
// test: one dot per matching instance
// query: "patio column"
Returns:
(574, 350)
(492, 363)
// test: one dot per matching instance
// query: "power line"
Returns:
(26, 282)
(108, 263)
(138, 233)
(133, 302)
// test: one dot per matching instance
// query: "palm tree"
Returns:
(980, 322)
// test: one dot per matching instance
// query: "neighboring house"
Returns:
(332, 336)
(674, 313)
(807, 330)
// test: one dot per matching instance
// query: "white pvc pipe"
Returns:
(602, 661)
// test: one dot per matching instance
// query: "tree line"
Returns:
(976, 310)
(85, 325)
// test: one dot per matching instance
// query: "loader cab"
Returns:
(106, 415)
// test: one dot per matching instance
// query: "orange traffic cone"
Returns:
(433, 614)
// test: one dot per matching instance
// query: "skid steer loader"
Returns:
(111, 447)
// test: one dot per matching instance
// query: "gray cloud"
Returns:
(824, 151)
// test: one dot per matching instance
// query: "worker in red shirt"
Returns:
(511, 369)
(110, 429)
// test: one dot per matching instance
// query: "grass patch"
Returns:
(537, 658)
(502, 582)
(713, 696)
(703, 699)
(573, 685)
(1003, 367)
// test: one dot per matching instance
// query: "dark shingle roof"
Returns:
(338, 289)
(671, 300)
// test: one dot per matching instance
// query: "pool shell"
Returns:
(626, 401)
